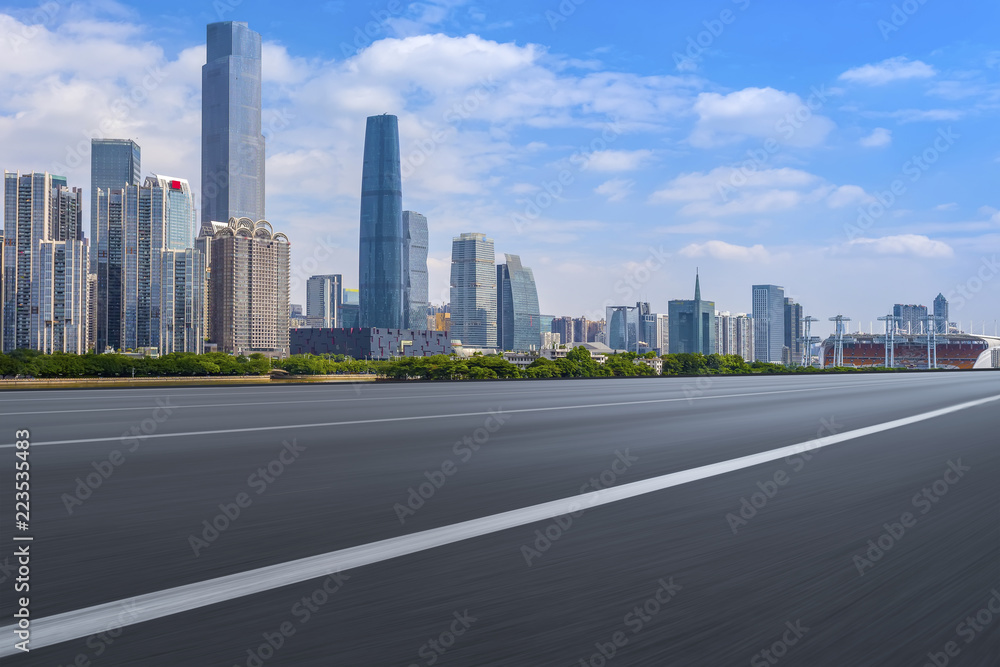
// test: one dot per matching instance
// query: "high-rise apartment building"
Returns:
(66, 221)
(324, 303)
(692, 324)
(60, 297)
(181, 213)
(473, 291)
(743, 332)
(769, 323)
(249, 288)
(912, 318)
(415, 256)
(566, 329)
(114, 163)
(941, 313)
(793, 331)
(518, 320)
(232, 146)
(182, 277)
(382, 266)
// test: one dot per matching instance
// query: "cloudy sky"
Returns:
(844, 149)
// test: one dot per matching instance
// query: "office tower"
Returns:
(182, 277)
(181, 213)
(415, 257)
(114, 163)
(27, 208)
(59, 296)
(941, 313)
(793, 331)
(232, 146)
(692, 324)
(473, 291)
(3, 295)
(92, 309)
(66, 221)
(769, 322)
(912, 318)
(249, 287)
(518, 320)
(295, 310)
(323, 300)
(580, 327)
(350, 314)
(663, 333)
(649, 333)
(565, 328)
(109, 269)
(743, 332)
(382, 263)
(627, 326)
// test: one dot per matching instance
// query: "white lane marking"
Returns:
(386, 420)
(91, 620)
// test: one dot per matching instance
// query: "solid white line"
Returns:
(385, 420)
(92, 620)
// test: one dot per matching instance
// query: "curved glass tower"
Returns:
(382, 280)
(518, 320)
(232, 146)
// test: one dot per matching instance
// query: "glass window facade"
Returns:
(474, 291)
(518, 320)
(382, 280)
(415, 232)
(114, 163)
(769, 322)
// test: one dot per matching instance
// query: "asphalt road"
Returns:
(882, 547)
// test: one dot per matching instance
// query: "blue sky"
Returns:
(614, 146)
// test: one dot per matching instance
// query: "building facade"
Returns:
(519, 325)
(370, 343)
(415, 254)
(912, 318)
(692, 324)
(60, 295)
(232, 146)
(473, 291)
(769, 323)
(249, 289)
(114, 163)
(793, 332)
(182, 301)
(382, 262)
(181, 214)
(324, 300)
(941, 313)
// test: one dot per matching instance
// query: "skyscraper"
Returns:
(114, 163)
(27, 206)
(181, 213)
(473, 291)
(692, 324)
(793, 331)
(66, 223)
(323, 300)
(518, 320)
(249, 287)
(415, 233)
(912, 318)
(382, 265)
(59, 295)
(628, 326)
(182, 301)
(941, 313)
(769, 322)
(232, 146)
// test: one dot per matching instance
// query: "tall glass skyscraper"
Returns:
(114, 163)
(473, 291)
(323, 299)
(941, 312)
(518, 320)
(417, 300)
(382, 265)
(181, 213)
(232, 146)
(769, 323)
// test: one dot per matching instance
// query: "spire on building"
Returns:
(697, 286)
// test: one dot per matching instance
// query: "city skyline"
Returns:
(834, 161)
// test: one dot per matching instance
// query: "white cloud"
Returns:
(879, 138)
(759, 113)
(616, 189)
(614, 160)
(914, 245)
(727, 252)
(926, 115)
(887, 71)
(847, 195)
